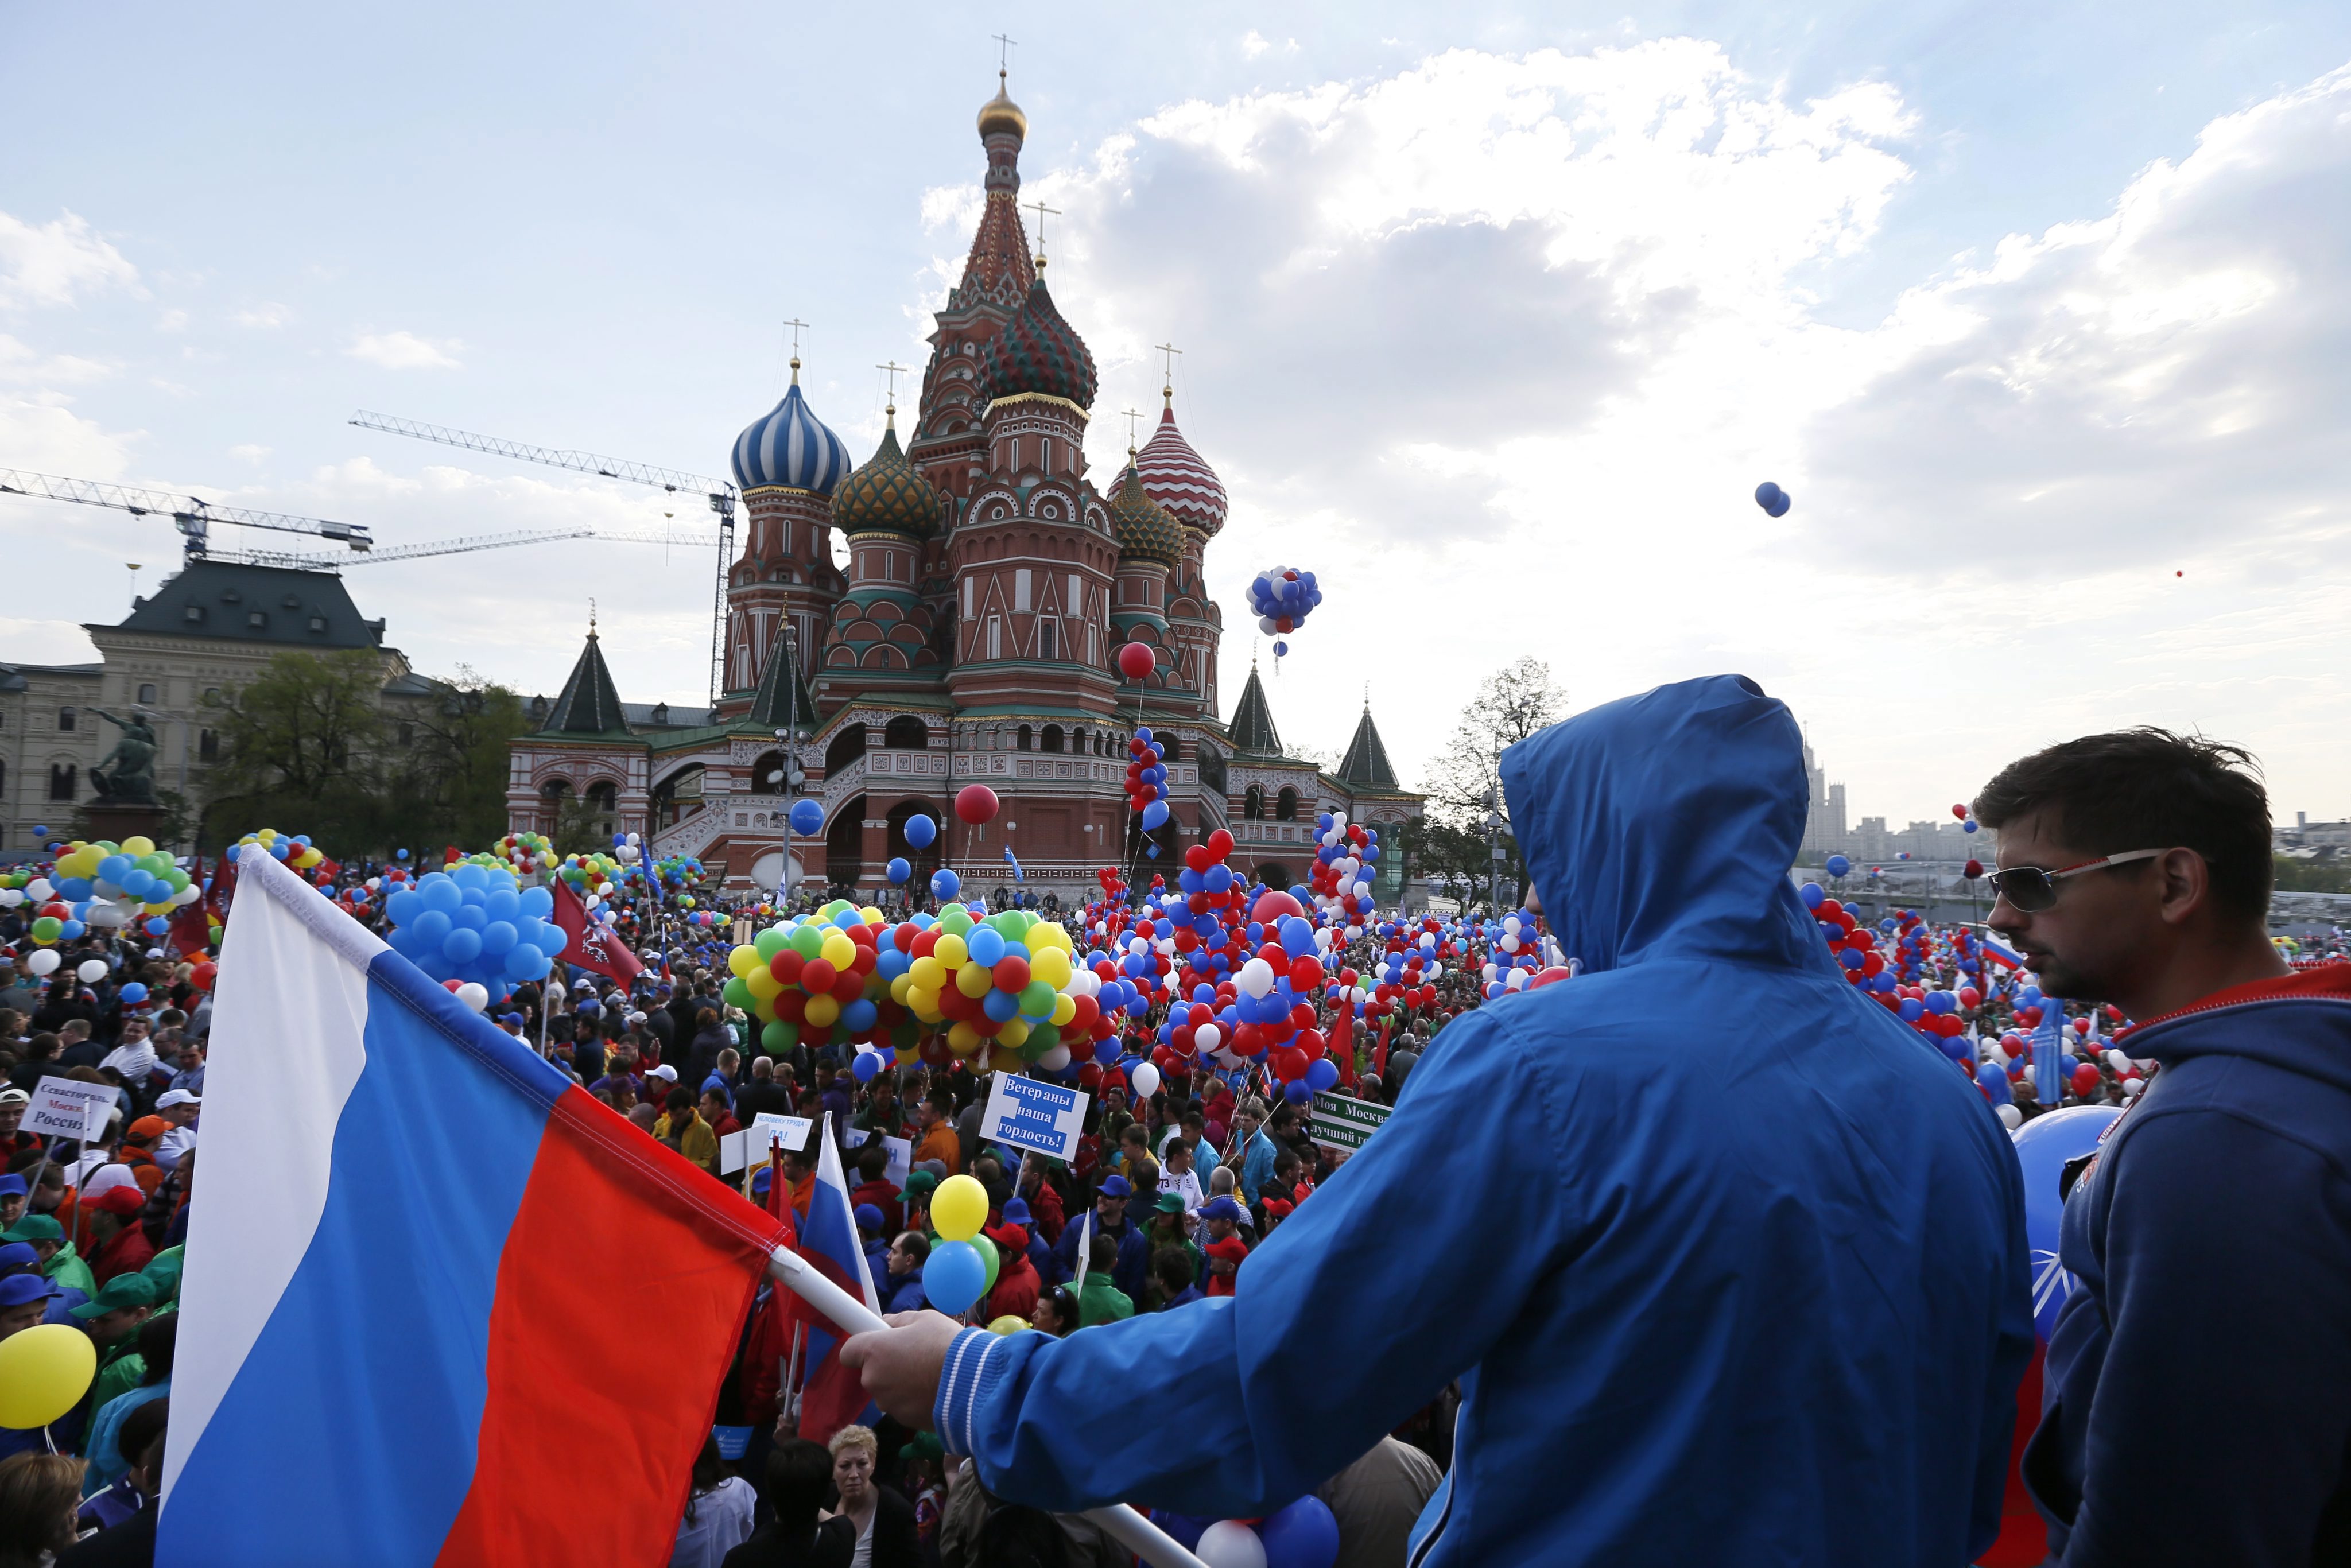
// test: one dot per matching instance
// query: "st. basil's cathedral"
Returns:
(972, 638)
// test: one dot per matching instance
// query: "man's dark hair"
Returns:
(872, 1160)
(942, 1101)
(679, 1099)
(918, 1246)
(1103, 1252)
(798, 1474)
(1286, 1160)
(157, 1338)
(141, 1427)
(2148, 789)
(1172, 1266)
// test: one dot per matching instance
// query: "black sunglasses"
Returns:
(2030, 889)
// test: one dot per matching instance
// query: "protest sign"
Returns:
(69, 1108)
(1032, 1115)
(783, 1132)
(902, 1158)
(1337, 1122)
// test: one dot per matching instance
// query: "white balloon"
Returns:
(1207, 1035)
(2132, 1086)
(1145, 1078)
(38, 889)
(2010, 1116)
(1256, 978)
(91, 970)
(10, 897)
(474, 995)
(1227, 1544)
(43, 961)
(1054, 1060)
(2120, 1061)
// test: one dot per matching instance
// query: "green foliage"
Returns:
(1465, 783)
(2328, 874)
(451, 767)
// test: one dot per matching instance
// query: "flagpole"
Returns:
(1132, 1531)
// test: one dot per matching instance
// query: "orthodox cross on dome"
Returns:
(591, 618)
(1167, 388)
(798, 326)
(1040, 209)
(893, 370)
(1004, 47)
(1133, 416)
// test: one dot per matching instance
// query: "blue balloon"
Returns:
(525, 963)
(158, 926)
(1154, 816)
(867, 1064)
(859, 1016)
(1838, 865)
(898, 871)
(1322, 1075)
(133, 993)
(985, 946)
(431, 928)
(462, 946)
(1813, 895)
(138, 884)
(920, 830)
(1303, 1535)
(808, 817)
(953, 1277)
(944, 884)
(1773, 498)
(2044, 1144)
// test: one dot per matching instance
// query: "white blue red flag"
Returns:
(419, 1287)
(833, 1396)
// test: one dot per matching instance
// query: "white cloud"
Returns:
(1500, 346)
(265, 315)
(406, 352)
(171, 321)
(247, 452)
(57, 262)
(41, 431)
(22, 365)
(1254, 43)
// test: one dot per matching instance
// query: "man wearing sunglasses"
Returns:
(2197, 1404)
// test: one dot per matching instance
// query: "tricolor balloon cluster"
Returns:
(102, 886)
(1305, 1534)
(531, 856)
(1146, 781)
(1282, 598)
(1342, 879)
(476, 929)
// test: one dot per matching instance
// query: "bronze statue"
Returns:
(126, 775)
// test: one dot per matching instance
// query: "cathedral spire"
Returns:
(999, 270)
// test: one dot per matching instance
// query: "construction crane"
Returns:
(721, 496)
(193, 516)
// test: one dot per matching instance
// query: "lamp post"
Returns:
(790, 739)
(1494, 853)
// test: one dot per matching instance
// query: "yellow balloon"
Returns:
(871, 916)
(743, 960)
(822, 1011)
(1013, 1034)
(838, 950)
(138, 845)
(1008, 1324)
(924, 1003)
(46, 1369)
(928, 973)
(762, 983)
(1065, 1008)
(951, 951)
(958, 1208)
(900, 986)
(974, 981)
(963, 1039)
(1050, 966)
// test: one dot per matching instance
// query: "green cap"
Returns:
(918, 1185)
(1170, 1203)
(123, 1291)
(35, 1227)
(164, 1269)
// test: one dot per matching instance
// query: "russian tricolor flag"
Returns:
(834, 1395)
(425, 1278)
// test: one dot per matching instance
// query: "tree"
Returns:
(300, 747)
(450, 765)
(1465, 781)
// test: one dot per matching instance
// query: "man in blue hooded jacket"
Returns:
(1753, 1289)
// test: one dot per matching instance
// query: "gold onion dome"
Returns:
(1144, 527)
(1000, 114)
(886, 495)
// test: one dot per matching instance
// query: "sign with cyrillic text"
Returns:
(1030, 1113)
(1339, 1123)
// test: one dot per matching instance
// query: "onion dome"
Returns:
(886, 495)
(1179, 478)
(790, 446)
(1142, 526)
(1038, 351)
(1000, 116)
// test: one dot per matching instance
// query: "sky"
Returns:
(1492, 316)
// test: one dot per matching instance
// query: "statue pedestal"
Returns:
(116, 822)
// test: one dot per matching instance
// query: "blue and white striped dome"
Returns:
(791, 446)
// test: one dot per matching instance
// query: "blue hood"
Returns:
(1663, 826)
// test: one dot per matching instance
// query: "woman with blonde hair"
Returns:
(887, 1537)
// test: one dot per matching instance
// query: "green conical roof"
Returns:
(769, 704)
(1252, 727)
(1366, 765)
(591, 704)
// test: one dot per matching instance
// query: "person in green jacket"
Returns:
(112, 1319)
(1100, 1300)
(58, 1259)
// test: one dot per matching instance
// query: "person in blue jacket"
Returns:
(1742, 1279)
(2195, 1405)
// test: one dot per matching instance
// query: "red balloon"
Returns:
(1273, 906)
(975, 803)
(1220, 844)
(1136, 661)
(2086, 1079)
(1551, 977)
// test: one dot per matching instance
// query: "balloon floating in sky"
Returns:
(1282, 598)
(1773, 498)
(1136, 661)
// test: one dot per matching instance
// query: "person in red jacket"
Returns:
(875, 1186)
(122, 1244)
(1015, 1280)
(1044, 1200)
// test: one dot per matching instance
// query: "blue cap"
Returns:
(12, 1187)
(1017, 1212)
(18, 1289)
(1115, 1187)
(762, 1178)
(19, 1255)
(869, 1217)
(1222, 1208)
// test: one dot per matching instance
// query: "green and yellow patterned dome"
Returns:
(885, 495)
(1144, 527)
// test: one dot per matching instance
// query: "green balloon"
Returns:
(780, 1036)
(738, 994)
(957, 921)
(768, 943)
(47, 927)
(1037, 999)
(808, 941)
(990, 1256)
(1044, 1037)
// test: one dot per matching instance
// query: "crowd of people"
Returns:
(1170, 1194)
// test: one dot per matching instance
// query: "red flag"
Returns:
(190, 931)
(590, 946)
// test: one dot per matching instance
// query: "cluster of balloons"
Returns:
(921, 832)
(959, 1270)
(1009, 982)
(818, 977)
(1342, 879)
(100, 887)
(1303, 1535)
(475, 929)
(1282, 598)
(531, 856)
(1146, 781)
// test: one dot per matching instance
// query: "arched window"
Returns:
(845, 748)
(1023, 738)
(1253, 805)
(1052, 738)
(907, 733)
(61, 781)
(768, 774)
(1285, 806)
(1077, 740)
